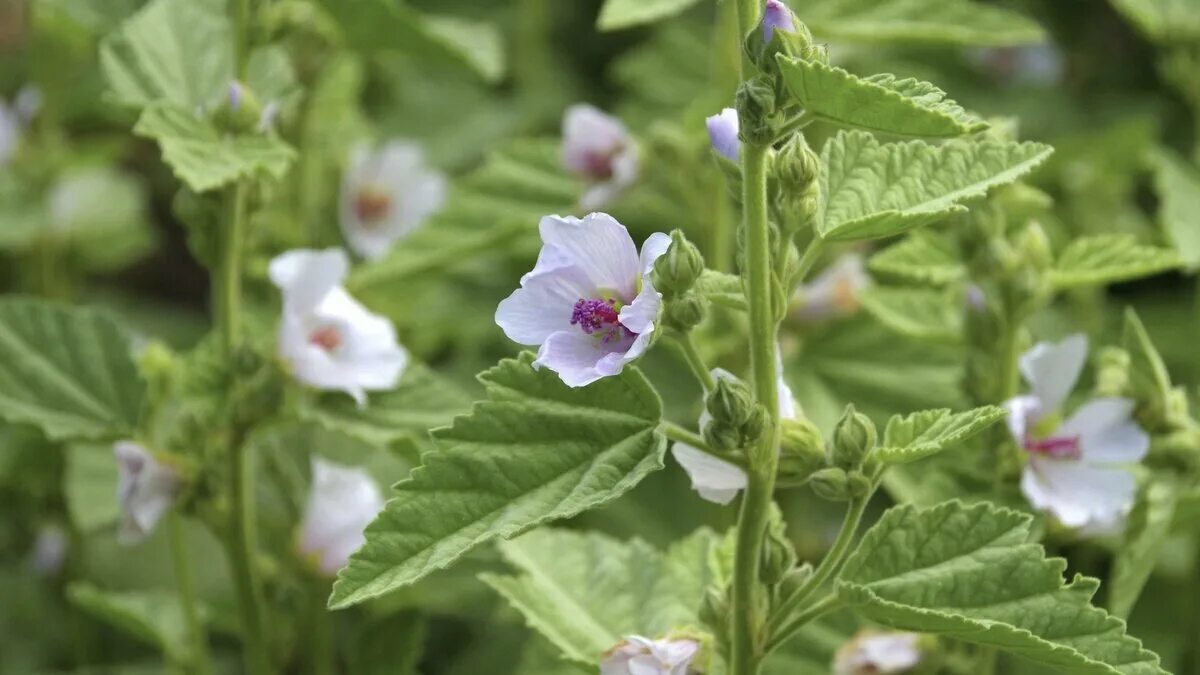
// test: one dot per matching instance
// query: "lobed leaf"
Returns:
(970, 573)
(621, 14)
(1107, 259)
(154, 617)
(534, 452)
(921, 434)
(955, 22)
(1178, 187)
(921, 257)
(927, 314)
(879, 103)
(875, 189)
(67, 371)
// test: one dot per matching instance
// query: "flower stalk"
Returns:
(185, 585)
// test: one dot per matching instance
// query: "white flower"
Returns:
(597, 147)
(589, 301)
(637, 655)
(342, 502)
(329, 340)
(723, 133)
(715, 479)
(878, 653)
(49, 552)
(1078, 469)
(386, 195)
(834, 292)
(146, 489)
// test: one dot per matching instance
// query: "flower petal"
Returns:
(599, 246)
(1076, 493)
(589, 131)
(715, 479)
(1023, 414)
(723, 133)
(1053, 368)
(1106, 431)
(573, 355)
(544, 303)
(342, 501)
(304, 275)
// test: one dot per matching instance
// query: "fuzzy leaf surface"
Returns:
(911, 437)
(1178, 187)
(534, 452)
(969, 572)
(620, 14)
(954, 22)
(922, 257)
(1108, 259)
(927, 314)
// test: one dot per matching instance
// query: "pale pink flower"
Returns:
(342, 502)
(387, 194)
(637, 655)
(146, 490)
(598, 147)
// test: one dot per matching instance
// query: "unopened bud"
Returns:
(678, 269)
(686, 312)
(779, 556)
(242, 111)
(1034, 247)
(755, 425)
(730, 402)
(796, 165)
(723, 133)
(722, 436)
(1112, 372)
(756, 110)
(857, 484)
(832, 484)
(801, 451)
(853, 439)
(777, 16)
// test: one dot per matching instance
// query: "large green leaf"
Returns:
(928, 432)
(154, 617)
(961, 22)
(534, 452)
(1178, 186)
(586, 591)
(204, 158)
(927, 314)
(879, 103)
(922, 257)
(1163, 20)
(969, 572)
(90, 486)
(1146, 532)
(66, 370)
(1108, 259)
(178, 51)
(618, 14)
(875, 189)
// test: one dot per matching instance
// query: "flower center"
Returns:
(599, 165)
(600, 319)
(1055, 448)
(326, 337)
(845, 296)
(372, 204)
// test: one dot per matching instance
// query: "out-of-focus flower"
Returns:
(589, 302)
(14, 117)
(49, 552)
(777, 16)
(723, 132)
(146, 489)
(636, 655)
(599, 148)
(386, 195)
(1078, 469)
(834, 292)
(329, 340)
(1036, 65)
(342, 502)
(871, 653)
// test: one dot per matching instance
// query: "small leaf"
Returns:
(586, 591)
(721, 289)
(534, 452)
(875, 189)
(1149, 381)
(620, 14)
(953, 22)
(880, 103)
(917, 312)
(968, 572)
(1163, 20)
(151, 616)
(1146, 532)
(90, 486)
(921, 434)
(66, 370)
(1178, 186)
(1108, 259)
(921, 257)
(205, 159)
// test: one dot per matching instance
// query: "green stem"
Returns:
(229, 282)
(186, 587)
(241, 547)
(748, 601)
(687, 347)
(322, 654)
(812, 253)
(241, 26)
(818, 609)
(679, 434)
(829, 566)
(533, 50)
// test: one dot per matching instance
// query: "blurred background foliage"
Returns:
(90, 214)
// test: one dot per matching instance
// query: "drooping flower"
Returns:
(636, 655)
(1078, 469)
(49, 552)
(834, 292)
(777, 15)
(871, 653)
(146, 489)
(329, 340)
(342, 502)
(589, 302)
(715, 479)
(597, 147)
(386, 195)
(723, 132)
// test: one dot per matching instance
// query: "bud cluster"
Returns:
(674, 275)
(737, 420)
(854, 440)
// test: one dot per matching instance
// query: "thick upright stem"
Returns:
(748, 604)
(186, 587)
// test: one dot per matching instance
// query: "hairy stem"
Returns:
(687, 347)
(186, 587)
(679, 434)
(815, 611)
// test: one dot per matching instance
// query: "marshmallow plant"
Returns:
(387, 193)
(599, 149)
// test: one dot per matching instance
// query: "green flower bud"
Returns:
(832, 484)
(1112, 372)
(796, 166)
(678, 269)
(730, 402)
(857, 484)
(756, 111)
(853, 439)
(779, 556)
(801, 451)
(1178, 415)
(721, 436)
(241, 112)
(1034, 247)
(755, 425)
(794, 580)
(685, 312)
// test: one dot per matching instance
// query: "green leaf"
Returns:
(151, 616)
(879, 103)
(970, 573)
(921, 257)
(66, 370)
(535, 451)
(875, 189)
(921, 434)
(204, 158)
(1163, 20)
(955, 22)
(921, 313)
(1178, 186)
(721, 289)
(619, 14)
(391, 645)
(586, 591)
(1108, 259)
(90, 487)
(177, 51)
(100, 214)
(1149, 381)
(1146, 532)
